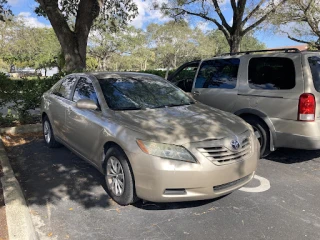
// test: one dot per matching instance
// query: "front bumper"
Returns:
(163, 180)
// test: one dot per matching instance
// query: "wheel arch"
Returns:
(43, 115)
(107, 146)
(262, 117)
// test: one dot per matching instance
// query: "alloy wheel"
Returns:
(115, 176)
(47, 131)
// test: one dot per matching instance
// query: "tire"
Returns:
(48, 134)
(119, 177)
(262, 132)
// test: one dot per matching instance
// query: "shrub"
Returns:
(22, 96)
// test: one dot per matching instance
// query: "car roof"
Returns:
(106, 75)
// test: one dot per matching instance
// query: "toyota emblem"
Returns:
(235, 144)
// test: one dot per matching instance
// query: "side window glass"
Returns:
(55, 91)
(219, 73)
(85, 90)
(271, 73)
(184, 79)
(66, 87)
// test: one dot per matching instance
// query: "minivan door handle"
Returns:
(196, 93)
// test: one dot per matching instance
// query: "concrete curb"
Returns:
(22, 129)
(19, 221)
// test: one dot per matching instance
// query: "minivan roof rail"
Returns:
(286, 50)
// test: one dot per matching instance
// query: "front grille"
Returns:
(231, 184)
(222, 155)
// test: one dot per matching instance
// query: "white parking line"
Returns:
(264, 186)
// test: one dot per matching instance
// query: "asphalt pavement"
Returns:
(67, 200)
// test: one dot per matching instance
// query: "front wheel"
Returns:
(48, 134)
(261, 131)
(119, 177)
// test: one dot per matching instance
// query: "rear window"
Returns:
(271, 73)
(314, 63)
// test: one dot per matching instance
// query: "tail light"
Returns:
(307, 107)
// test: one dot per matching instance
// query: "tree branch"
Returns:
(253, 12)
(222, 18)
(202, 15)
(298, 40)
(234, 5)
(258, 22)
(57, 20)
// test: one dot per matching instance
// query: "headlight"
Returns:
(166, 151)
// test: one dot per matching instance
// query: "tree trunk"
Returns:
(235, 43)
(73, 43)
(145, 64)
(167, 72)
(104, 64)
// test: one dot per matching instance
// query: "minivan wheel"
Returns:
(119, 177)
(262, 133)
(48, 134)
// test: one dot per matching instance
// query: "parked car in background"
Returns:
(148, 137)
(276, 91)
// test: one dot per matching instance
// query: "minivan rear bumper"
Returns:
(297, 134)
(288, 140)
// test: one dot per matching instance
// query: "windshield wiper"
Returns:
(128, 108)
(174, 105)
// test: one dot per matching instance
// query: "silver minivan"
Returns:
(276, 91)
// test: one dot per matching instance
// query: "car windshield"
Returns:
(314, 63)
(132, 93)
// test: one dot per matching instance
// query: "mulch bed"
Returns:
(3, 220)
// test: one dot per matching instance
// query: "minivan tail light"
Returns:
(307, 107)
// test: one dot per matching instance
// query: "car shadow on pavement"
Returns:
(48, 176)
(173, 205)
(291, 156)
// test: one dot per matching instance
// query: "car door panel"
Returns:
(83, 126)
(83, 130)
(272, 83)
(59, 102)
(216, 83)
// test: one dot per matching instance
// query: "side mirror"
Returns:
(86, 104)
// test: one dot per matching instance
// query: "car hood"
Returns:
(183, 124)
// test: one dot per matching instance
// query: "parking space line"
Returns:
(264, 186)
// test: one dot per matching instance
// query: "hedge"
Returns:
(23, 95)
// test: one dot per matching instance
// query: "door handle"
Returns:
(196, 93)
(68, 110)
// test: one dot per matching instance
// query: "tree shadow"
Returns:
(52, 175)
(291, 156)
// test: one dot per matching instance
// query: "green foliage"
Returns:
(22, 96)
(300, 21)
(28, 47)
(162, 46)
(248, 43)
(159, 73)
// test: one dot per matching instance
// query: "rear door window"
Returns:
(314, 63)
(271, 73)
(66, 87)
(219, 73)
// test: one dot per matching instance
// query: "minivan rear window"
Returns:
(314, 63)
(271, 73)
